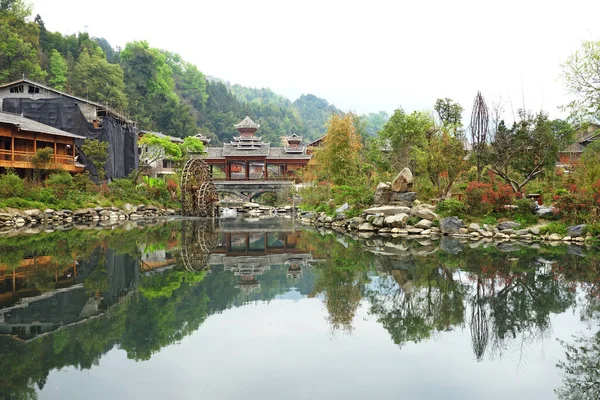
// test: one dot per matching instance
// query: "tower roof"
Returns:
(246, 123)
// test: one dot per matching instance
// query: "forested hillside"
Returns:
(155, 87)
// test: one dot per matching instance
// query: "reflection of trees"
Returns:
(411, 314)
(479, 321)
(341, 279)
(582, 369)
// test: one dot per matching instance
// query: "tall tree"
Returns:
(406, 133)
(449, 112)
(523, 152)
(59, 71)
(479, 132)
(581, 73)
(95, 79)
(442, 158)
(339, 159)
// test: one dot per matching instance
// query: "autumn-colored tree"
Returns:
(339, 160)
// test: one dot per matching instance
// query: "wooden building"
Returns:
(247, 157)
(583, 138)
(21, 138)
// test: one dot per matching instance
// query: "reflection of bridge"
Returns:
(248, 190)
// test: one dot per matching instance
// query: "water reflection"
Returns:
(68, 298)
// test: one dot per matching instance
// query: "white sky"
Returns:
(362, 56)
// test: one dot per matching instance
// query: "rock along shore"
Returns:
(420, 221)
(11, 219)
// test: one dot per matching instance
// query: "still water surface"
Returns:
(266, 310)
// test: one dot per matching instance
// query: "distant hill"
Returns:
(156, 88)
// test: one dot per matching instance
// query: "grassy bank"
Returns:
(64, 191)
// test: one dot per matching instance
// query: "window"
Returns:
(33, 89)
(17, 89)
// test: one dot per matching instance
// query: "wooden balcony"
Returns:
(22, 159)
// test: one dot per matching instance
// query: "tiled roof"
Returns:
(264, 151)
(246, 123)
(230, 150)
(29, 125)
(162, 135)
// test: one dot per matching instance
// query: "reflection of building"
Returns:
(250, 254)
(14, 281)
(247, 157)
(41, 295)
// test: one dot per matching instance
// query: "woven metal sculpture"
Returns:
(198, 193)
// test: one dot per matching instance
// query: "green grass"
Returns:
(554, 227)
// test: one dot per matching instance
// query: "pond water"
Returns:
(268, 310)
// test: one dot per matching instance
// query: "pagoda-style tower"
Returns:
(205, 141)
(247, 139)
(293, 144)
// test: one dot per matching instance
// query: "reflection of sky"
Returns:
(286, 350)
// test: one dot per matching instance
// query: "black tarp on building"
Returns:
(64, 113)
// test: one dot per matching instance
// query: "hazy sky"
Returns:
(363, 56)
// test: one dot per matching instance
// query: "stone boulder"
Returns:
(405, 198)
(403, 182)
(424, 224)
(397, 220)
(387, 210)
(451, 225)
(366, 227)
(577, 230)
(424, 213)
(508, 225)
(382, 193)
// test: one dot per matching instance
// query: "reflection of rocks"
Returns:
(451, 244)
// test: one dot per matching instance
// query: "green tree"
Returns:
(59, 71)
(588, 168)
(581, 74)
(443, 159)
(339, 159)
(449, 112)
(94, 78)
(406, 133)
(523, 152)
(96, 152)
(17, 56)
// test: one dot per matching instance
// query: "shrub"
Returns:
(83, 183)
(574, 204)
(451, 207)
(474, 193)
(11, 185)
(525, 212)
(359, 195)
(482, 198)
(60, 184)
(269, 199)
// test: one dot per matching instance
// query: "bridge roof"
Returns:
(264, 151)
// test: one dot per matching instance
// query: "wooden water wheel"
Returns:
(198, 193)
(198, 240)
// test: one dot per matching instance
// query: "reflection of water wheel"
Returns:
(198, 192)
(198, 240)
